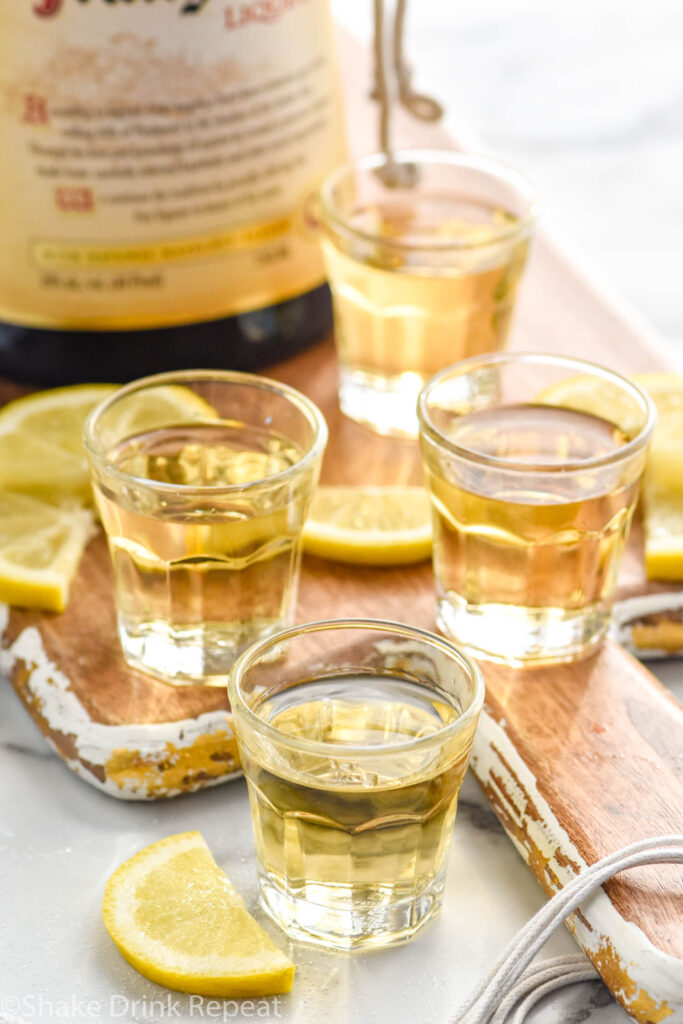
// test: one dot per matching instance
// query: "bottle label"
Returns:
(158, 156)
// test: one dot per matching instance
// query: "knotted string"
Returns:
(512, 983)
(423, 107)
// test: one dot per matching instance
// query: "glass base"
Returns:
(337, 917)
(388, 405)
(201, 656)
(522, 636)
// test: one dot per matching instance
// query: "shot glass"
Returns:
(533, 463)
(203, 480)
(354, 737)
(423, 257)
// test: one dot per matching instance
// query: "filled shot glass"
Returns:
(354, 737)
(533, 463)
(203, 481)
(423, 257)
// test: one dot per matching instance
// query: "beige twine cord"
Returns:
(399, 86)
(512, 987)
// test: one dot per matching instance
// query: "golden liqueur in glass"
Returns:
(396, 315)
(203, 520)
(421, 275)
(353, 801)
(532, 505)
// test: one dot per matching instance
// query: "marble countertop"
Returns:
(587, 98)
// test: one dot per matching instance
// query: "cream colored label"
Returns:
(157, 156)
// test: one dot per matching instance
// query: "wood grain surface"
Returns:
(576, 760)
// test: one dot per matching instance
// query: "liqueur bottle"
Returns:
(157, 160)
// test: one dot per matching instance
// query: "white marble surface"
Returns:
(588, 97)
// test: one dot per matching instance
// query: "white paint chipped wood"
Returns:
(95, 742)
(651, 970)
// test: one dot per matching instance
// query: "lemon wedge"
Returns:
(663, 479)
(41, 448)
(663, 523)
(40, 548)
(665, 390)
(665, 457)
(176, 918)
(370, 525)
(663, 486)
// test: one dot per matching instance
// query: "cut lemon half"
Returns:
(41, 448)
(370, 525)
(40, 548)
(176, 918)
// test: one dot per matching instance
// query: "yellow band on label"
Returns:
(57, 254)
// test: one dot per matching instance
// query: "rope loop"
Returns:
(512, 985)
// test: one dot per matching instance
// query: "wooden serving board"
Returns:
(576, 760)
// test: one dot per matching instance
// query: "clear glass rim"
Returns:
(244, 662)
(443, 157)
(584, 366)
(307, 407)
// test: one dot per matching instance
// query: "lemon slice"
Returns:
(41, 449)
(40, 548)
(585, 393)
(177, 919)
(370, 525)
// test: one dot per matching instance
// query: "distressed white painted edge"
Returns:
(129, 790)
(626, 612)
(651, 969)
(96, 741)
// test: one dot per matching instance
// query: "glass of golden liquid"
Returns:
(423, 256)
(533, 463)
(203, 481)
(355, 737)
